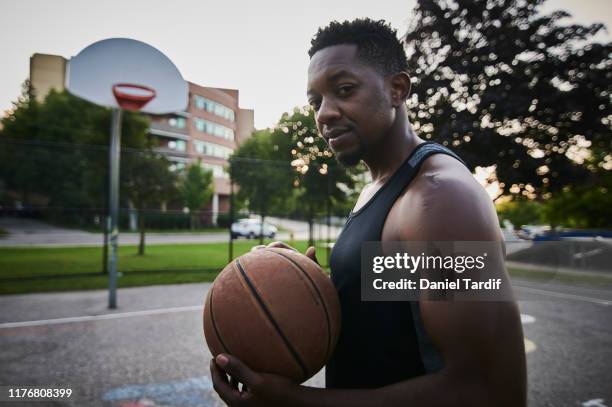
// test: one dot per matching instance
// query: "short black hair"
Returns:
(376, 41)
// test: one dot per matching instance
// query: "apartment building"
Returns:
(209, 130)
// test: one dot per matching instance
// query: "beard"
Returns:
(351, 158)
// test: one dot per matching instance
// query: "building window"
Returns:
(215, 108)
(177, 167)
(217, 170)
(215, 129)
(177, 122)
(199, 102)
(178, 145)
(212, 149)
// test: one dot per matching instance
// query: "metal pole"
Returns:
(113, 185)
(231, 218)
(106, 226)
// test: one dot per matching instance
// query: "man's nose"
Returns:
(328, 112)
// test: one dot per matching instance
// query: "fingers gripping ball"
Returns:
(276, 310)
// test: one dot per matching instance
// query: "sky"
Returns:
(258, 47)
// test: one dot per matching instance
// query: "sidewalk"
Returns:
(32, 233)
(34, 307)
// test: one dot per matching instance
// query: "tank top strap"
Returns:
(410, 168)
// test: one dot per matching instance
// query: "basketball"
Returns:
(276, 310)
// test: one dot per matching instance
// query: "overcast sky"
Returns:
(259, 47)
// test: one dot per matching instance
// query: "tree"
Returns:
(505, 85)
(322, 182)
(147, 181)
(288, 166)
(520, 211)
(18, 169)
(581, 206)
(56, 153)
(262, 170)
(196, 190)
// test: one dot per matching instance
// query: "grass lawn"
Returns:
(24, 270)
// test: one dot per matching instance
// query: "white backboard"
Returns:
(92, 73)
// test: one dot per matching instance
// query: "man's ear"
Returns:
(400, 88)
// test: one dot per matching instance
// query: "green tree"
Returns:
(322, 182)
(289, 169)
(147, 182)
(18, 169)
(581, 206)
(262, 170)
(520, 211)
(56, 153)
(196, 189)
(505, 85)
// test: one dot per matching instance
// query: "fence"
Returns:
(53, 218)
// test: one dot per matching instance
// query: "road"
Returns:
(151, 351)
(29, 233)
(32, 233)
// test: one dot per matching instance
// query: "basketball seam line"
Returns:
(214, 324)
(265, 309)
(325, 310)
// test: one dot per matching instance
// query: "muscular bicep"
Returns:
(481, 341)
(482, 348)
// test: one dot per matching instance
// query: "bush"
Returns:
(520, 212)
(223, 220)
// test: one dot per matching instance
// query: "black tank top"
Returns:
(380, 342)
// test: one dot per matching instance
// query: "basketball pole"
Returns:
(231, 217)
(144, 72)
(113, 235)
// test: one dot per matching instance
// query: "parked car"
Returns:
(529, 232)
(251, 228)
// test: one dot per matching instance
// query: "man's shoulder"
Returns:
(441, 177)
(445, 202)
(444, 177)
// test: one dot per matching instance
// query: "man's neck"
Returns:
(387, 156)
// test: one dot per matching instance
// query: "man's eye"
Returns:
(316, 105)
(345, 90)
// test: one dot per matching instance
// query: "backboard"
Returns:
(99, 70)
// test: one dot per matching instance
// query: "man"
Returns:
(425, 353)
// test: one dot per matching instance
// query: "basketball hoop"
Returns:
(132, 97)
(145, 81)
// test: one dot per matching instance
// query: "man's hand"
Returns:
(258, 389)
(310, 252)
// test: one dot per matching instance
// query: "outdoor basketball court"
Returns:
(151, 351)
(145, 346)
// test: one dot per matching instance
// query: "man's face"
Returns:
(351, 100)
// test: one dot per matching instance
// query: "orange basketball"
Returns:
(276, 310)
